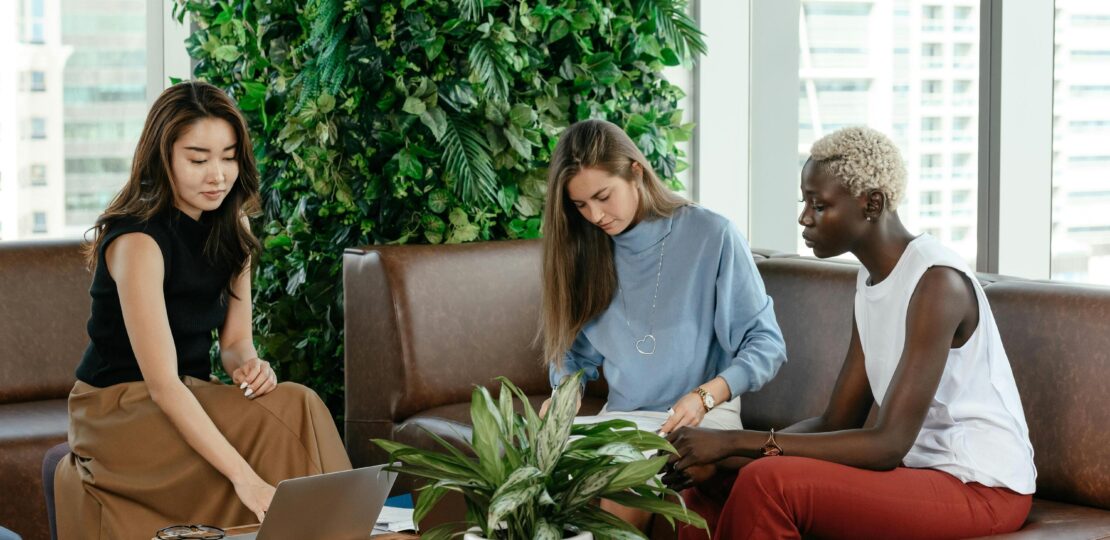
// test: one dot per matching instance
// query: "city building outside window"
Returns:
(905, 84)
(38, 81)
(89, 69)
(38, 174)
(37, 22)
(1081, 143)
(38, 222)
(38, 127)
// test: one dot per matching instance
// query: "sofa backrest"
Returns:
(424, 324)
(813, 305)
(44, 306)
(1058, 342)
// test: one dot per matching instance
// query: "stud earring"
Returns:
(869, 218)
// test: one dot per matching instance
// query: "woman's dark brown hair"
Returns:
(149, 191)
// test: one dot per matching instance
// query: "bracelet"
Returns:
(771, 447)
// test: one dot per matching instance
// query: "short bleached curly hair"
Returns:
(863, 159)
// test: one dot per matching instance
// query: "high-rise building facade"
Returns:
(105, 101)
(909, 68)
(1081, 142)
(72, 103)
(32, 178)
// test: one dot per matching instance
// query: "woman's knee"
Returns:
(298, 393)
(770, 476)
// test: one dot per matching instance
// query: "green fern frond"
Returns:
(679, 31)
(326, 48)
(471, 10)
(466, 157)
(488, 68)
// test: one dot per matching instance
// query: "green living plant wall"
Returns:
(420, 121)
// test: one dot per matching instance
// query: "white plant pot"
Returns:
(475, 534)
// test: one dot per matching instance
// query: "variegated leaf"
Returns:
(425, 500)
(622, 452)
(547, 531)
(503, 504)
(555, 433)
(588, 487)
(635, 473)
(486, 434)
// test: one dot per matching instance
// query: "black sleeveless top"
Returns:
(195, 302)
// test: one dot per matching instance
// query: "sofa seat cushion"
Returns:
(452, 422)
(1053, 520)
(27, 431)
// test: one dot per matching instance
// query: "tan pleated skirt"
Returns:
(131, 473)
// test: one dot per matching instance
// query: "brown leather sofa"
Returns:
(44, 305)
(426, 323)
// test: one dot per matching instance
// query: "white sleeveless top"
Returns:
(975, 429)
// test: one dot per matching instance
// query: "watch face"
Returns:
(709, 401)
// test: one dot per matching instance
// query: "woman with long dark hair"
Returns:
(154, 441)
(661, 293)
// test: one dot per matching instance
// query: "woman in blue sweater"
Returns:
(663, 293)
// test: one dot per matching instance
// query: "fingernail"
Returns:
(662, 433)
(249, 392)
(670, 412)
(242, 386)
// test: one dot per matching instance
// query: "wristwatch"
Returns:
(707, 400)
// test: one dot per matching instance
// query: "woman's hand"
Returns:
(698, 446)
(687, 411)
(256, 495)
(689, 477)
(255, 377)
(547, 404)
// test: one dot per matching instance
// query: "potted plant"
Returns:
(528, 477)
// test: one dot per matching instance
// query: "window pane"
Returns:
(1081, 143)
(80, 107)
(910, 70)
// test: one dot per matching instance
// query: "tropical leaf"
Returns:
(634, 473)
(470, 10)
(553, 436)
(489, 68)
(532, 420)
(507, 501)
(442, 532)
(416, 460)
(622, 452)
(658, 506)
(547, 531)
(485, 418)
(643, 441)
(426, 499)
(679, 31)
(466, 158)
(605, 526)
(589, 487)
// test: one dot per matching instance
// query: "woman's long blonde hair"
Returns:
(579, 275)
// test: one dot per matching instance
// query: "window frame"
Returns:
(1014, 165)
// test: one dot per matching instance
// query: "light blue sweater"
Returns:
(712, 317)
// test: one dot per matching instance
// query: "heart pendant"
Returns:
(646, 345)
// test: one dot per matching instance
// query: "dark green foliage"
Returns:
(419, 121)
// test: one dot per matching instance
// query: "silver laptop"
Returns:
(334, 506)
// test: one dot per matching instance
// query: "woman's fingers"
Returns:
(261, 376)
(267, 386)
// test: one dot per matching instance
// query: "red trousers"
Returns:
(787, 497)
